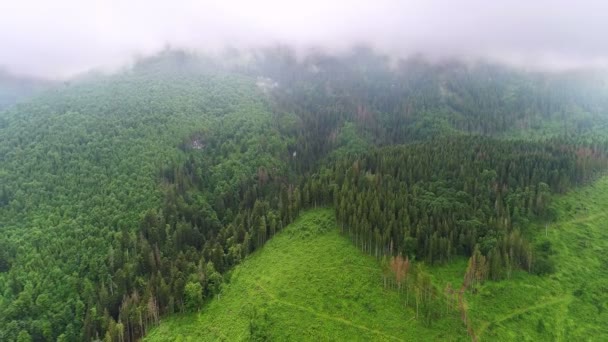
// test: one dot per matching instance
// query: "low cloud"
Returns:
(64, 37)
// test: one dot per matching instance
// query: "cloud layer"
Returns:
(63, 37)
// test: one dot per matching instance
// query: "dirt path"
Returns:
(563, 300)
(325, 316)
(582, 219)
(561, 318)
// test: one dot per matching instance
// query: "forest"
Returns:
(128, 197)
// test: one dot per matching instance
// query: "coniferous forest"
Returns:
(129, 197)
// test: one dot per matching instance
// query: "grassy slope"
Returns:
(307, 283)
(570, 305)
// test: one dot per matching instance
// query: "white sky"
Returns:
(63, 37)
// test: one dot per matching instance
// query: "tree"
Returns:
(24, 336)
(193, 296)
(543, 192)
(477, 270)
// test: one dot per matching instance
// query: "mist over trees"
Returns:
(14, 87)
(130, 196)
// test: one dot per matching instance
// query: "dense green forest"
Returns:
(83, 164)
(130, 196)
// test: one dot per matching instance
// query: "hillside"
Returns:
(81, 166)
(286, 291)
(572, 303)
(307, 283)
(124, 196)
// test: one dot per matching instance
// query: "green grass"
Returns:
(572, 303)
(307, 283)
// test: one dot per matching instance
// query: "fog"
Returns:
(61, 38)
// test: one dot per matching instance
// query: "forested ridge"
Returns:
(131, 196)
(435, 200)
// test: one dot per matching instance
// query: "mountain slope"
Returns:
(123, 195)
(81, 165)
(570, 305)
(307, 283)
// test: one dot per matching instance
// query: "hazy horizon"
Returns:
(67, 37)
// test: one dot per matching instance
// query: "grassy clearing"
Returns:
(572, 303)
(307, 283)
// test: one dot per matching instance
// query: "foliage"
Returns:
(193, 296)
(123, 197)
(433, 201)
(82, 169)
